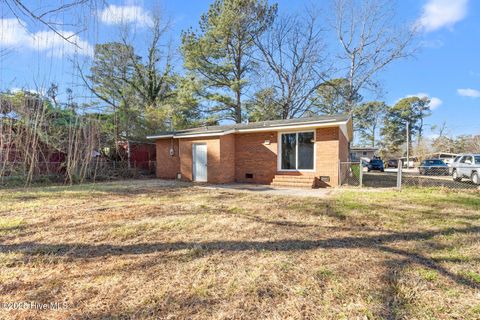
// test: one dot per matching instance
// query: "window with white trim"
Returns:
(297, 150)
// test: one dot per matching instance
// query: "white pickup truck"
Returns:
(467, 166)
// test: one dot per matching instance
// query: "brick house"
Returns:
(303, 152)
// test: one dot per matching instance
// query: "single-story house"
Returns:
(303, 152)
(362, 153)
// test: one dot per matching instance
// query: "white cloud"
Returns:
(432, 135)
(472, 93)
(113, 14)
(34, 91)
(15, 35)
(434, 101)
(438, 14)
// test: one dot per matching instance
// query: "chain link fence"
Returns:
(350, 174)
(435, 176)
(428, 176)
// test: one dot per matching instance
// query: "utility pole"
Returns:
(408, 144)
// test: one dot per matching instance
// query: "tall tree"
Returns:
(330, 97)
(369, 41)
(112, 67)
(153, 80)
(411, 111)
(264, 106)
(220, 54)
(367, 118)
(293, 53)
(422, 108)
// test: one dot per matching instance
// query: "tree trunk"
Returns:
(238, 91)
(350, 83)
(373, 136)
(238, 107)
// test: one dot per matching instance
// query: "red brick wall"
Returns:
(327, 152)
(343, 153)
(167, 165)
(216, 170)
(227, 157)
(343, 147)
(253, 156)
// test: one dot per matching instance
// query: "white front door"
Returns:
(199, 162)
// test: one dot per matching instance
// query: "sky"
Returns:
(446, 67)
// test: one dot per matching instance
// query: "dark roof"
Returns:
(255, 125)
(359, 148)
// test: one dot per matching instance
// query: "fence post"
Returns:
(339, 173)
(399, 174)
(360, 178)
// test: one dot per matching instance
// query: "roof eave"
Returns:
(295, 126)
(160, 136)
(345, 125)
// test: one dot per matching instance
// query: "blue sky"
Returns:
(446, 68)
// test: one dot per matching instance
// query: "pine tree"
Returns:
(220, 53)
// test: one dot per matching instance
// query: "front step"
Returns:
(293, 181)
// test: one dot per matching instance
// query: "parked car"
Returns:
(392, 163)
(433, 167)
(468, 167)
(454, 163)
(375, 164)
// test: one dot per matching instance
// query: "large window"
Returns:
(297, 151)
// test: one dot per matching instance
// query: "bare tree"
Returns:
(370, 40)
(30, 133)
(475, 143)
(152, 79)
(44, 13)
(294, 54)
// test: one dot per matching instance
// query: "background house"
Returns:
(362, 153)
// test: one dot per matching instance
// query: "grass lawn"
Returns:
(143, 249)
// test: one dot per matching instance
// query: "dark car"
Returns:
(375, 164)
(433, 167)
(392, 163)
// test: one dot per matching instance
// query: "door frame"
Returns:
(194, 173)
(279, 151)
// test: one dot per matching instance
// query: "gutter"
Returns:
(302, 125)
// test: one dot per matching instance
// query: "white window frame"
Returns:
(279, 151)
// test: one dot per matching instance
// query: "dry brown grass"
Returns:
(143, 249)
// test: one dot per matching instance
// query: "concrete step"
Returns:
(294, 181)
(296, 185)
(293, 178)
